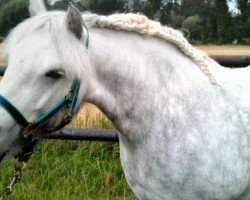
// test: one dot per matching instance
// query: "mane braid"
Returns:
(142, 25)
(124, 22)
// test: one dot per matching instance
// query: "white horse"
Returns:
(183, 119)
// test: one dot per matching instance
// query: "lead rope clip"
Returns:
(18, 170)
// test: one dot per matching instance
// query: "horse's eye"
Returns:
(55, 74)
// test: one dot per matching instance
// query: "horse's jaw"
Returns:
(10, 144)
(2, 155)
(8, 153)
(5, 156)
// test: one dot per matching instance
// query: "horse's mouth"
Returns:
(2, 155)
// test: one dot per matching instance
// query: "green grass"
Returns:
(63, 170)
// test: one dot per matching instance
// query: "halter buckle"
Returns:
(68, 117)
(28, 130)
(69, 95)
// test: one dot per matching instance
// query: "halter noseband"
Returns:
(28, 129)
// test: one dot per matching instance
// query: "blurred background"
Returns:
(202, 21)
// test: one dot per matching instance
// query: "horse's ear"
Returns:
(36, 7)
(74, 21)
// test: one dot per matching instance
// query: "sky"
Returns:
(232, 6)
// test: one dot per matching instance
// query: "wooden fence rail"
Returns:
(232, 61)
(84, 135)
(2, 70)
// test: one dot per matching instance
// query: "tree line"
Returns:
(202, 21)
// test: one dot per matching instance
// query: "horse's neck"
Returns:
(135, 76)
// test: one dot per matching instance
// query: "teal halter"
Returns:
(28, 129)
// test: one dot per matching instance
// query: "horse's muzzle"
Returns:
(2, 154)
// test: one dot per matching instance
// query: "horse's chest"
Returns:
(162, 170)
(142, 173)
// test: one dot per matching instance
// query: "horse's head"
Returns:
(46, 54)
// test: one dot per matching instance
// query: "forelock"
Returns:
(71, 51)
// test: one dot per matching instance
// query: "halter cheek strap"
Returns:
(68, 102)
(19, 118)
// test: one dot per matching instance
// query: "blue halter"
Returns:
(28, 129)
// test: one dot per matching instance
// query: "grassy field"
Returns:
(72, 170)
(81, 170)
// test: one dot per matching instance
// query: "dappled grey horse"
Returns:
(183, 119)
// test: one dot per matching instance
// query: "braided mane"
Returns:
(123, 22)
(142, 25)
